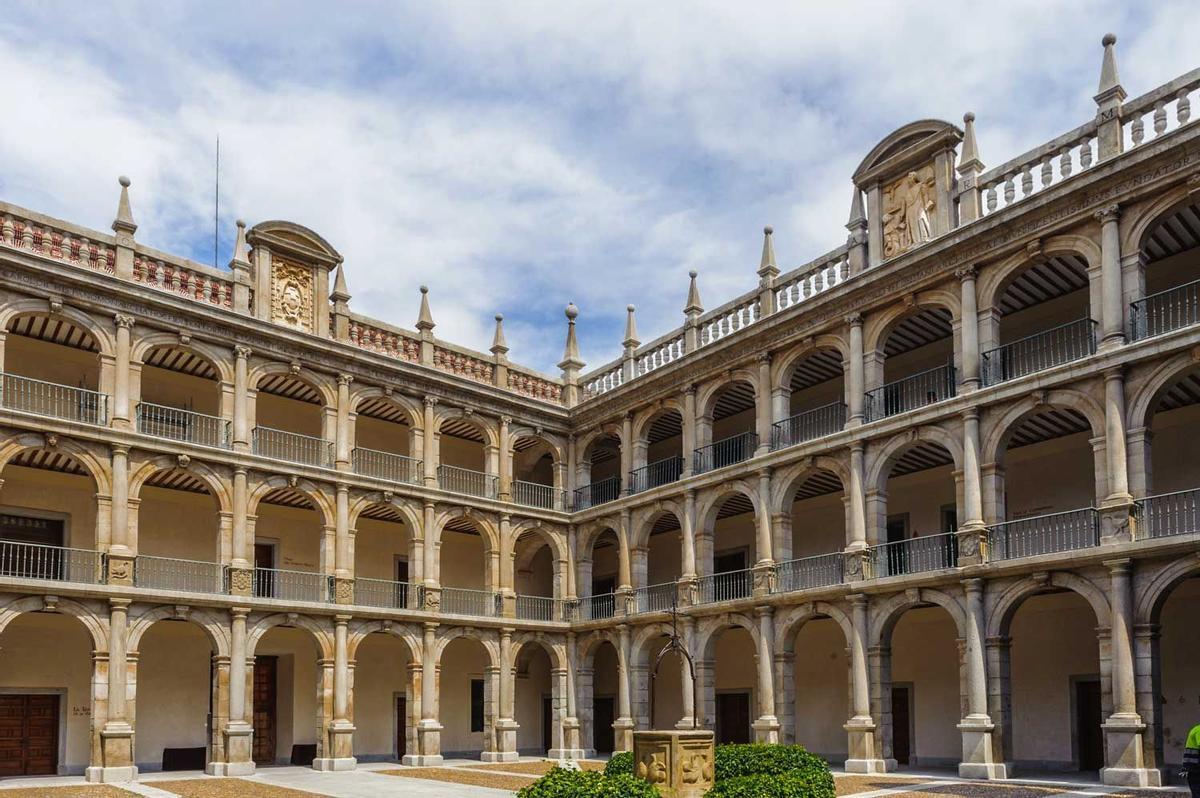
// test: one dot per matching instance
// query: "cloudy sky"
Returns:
(515, 156)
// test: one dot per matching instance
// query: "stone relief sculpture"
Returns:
(291, 294)
(908, 205)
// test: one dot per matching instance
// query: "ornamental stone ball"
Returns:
(572, 311)
(124, 181)
(1109, 38)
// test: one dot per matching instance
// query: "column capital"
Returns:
(763, 357)
(857, 600)
(689, 389)
(505, 421)
(854, 319)
(242, 352)
(966, 273)
(1119, 567)
(240, 612)
(429, 401)
(1114, 373)
(345, 379)
(764, 611)
(341, 619)
(123, 321)
(1109, 213)
(973, 585)
(120, 448)
(119, 603)
(970, 414)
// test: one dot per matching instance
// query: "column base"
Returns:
(623, 734)
(978, 761)
(229, 769)
(685, 723)
(329, 764)
(499, 756)
(1131, 777)
(869, 767)
(111, 775)
(987, 771)
(766, 729)
(1123, 733)
(422, 760)
(860, 734)
(567, 754)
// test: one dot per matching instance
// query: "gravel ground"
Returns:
(538, 768)
(474, 778)
(224, 788)
(848, 785)
(82, 791)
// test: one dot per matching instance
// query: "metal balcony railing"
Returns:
(606, 490)
(385, 593)
(726, 586)
(1062, 344)
(51, 399)
(910, 393)
(809, 425)
(655, 598)
(541, 608)
(915, 555)
(293, 447)
(805, 573)
(725, 452)
(1165, 311)
(1044, 534)
(55, 563)
(463, 601)
(466, 481)
(182, 425)
(1169, 514)
(660, 472)
(385, 465)
(190, 576)
(594, 608)
(535, 494)
(277, 583)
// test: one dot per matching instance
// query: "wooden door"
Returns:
(901, 725)
(1088, 719)
(401, 726)
(733, 717)
(265, 669)
(547, 723)
(28, 735)
(603, 713)
(401, 597)
(264, 575)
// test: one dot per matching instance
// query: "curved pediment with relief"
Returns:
(912, 145)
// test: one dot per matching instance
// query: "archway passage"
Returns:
(1171, 274)
(535, 472)
(181, 398)
(919, 690)
(598, 576)
(385, 708)
(917, 512)
(659, 566)
(815, 397)
(914, 364)
(382, 558)
(46, 670)
(287, 547)
(392, 453)
(465, 699)
(1164, 454)
(658, 456)
(537, 702)
(536, 578)
(178, 534)
(812, 543)
(1045, 481)
(463, 455)
(820, 681)
(667, 708)
(728, 679)
(726, 432)
(599, 473)
(1045, 319)
(1051, 676)
(466, 569)
(727, 546)
(605, 698)
(289, 422)
(52, 368)
(176, 700)
(287, 685)
(1177, 676)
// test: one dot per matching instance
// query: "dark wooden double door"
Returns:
(29, 735)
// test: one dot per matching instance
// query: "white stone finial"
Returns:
(970, 148)
(425, 318)
(1110, 82)
(858, 216)
(241, 251)
(693, 307)
(340, 292)
(499, 344)
(571, 361)
(631, 335)
(766, 265)
(124, 222)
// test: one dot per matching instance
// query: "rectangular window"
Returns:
(477, 705)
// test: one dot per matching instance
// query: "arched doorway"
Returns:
(727, 677)
(726, 546)
(180, 397)
(725, 431)
(599, 471)
(385, 708)
(466, 700)
(540, 707)
(813, 399)
(913, 364)
(177, 697)
(810, 547)
(658, 452)
(52, 368)
(915, 514)
(290, 421)
(287, 687)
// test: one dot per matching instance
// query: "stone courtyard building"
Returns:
(930, 499)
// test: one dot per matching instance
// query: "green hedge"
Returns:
(563, 783)
(733, 761)
(777, 785)
(620, 762)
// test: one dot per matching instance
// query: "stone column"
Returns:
(972, 532)
(623, 727)
(339, 750)
(121, 410)
(506, 460)
(979, 761)
(116, 736)
(970, 329)
(688, 535)
(506, 726)
(429, 731)
(762, 404)
(688, 436)
(626, 451)
(763, 520)
(572, 747)
(238, 732)
(624, 576)
(1124, 729)
(856, 384)
(343, 565)
(241, 398)
(429, 441)
(766, 728)
(860, 728)
(1114, 434)
(687, 685)
(120, 554)
(429, 554)
(856, 547)
(1112, 303)
(344, 445)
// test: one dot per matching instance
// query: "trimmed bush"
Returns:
(620, 763)
(763, 785)
(752, 759)
(563, 783)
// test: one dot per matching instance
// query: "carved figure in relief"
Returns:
(653, 769)
(907, 206)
